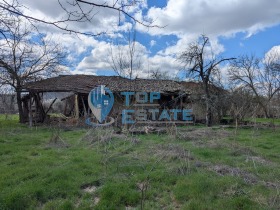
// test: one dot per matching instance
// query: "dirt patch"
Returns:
(171, 151)
(233, 190)
(238, 150)
(125, 137)
(249, 178)
(208, 138)
(90, 189)
(120, 136)
(260, 160)
(211, 143)
(272, 184)
(147, 130)
(203, 133)
(96, 200)
(225, 170)
(99, 134)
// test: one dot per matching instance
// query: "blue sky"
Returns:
(235, 27)
(257, 44)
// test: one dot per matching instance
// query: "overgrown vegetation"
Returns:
(191, 168)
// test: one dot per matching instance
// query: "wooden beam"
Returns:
(50, 106)
(76, 107)
(30, 112)
(84, 106)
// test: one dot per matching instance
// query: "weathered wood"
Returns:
(76, 107)
(30, 113)
(84, 107)
(50, 106)
(67, 97)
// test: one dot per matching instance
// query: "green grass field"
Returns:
(258, 120)
(189, 168)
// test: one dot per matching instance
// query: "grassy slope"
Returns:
(212, 170)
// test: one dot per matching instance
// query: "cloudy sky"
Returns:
(235, 27)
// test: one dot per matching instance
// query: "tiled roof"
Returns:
(84, 83)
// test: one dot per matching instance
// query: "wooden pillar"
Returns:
(76, 107)
(25, 109)
(30, 111)
(84, 106)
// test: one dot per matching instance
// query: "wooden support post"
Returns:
(76, 107)
(84, 106)
(30, 112)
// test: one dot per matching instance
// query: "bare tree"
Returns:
(79, 11)
(271, 78)
(25, 56)
(262, 78)
(242, 104)
(157, 74)
(200, 62)
(126, 59)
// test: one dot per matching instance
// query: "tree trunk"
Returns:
(208, 113)
(266, 113)
(208, 105)
(265, 109)
(20, 109)
(40, 112)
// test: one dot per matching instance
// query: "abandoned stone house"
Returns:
(68, 94)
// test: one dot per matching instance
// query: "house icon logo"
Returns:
(100, 101)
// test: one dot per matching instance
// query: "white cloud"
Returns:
(100, 19)
(152, 43)
(164, 63)
(273, 55)
(274, 50)
(186, 19)
(214, 17)
(84, 71)
(100, 59)
(184, 41)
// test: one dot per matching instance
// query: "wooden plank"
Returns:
(76, 107)
(50, 106)
(30, 113)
